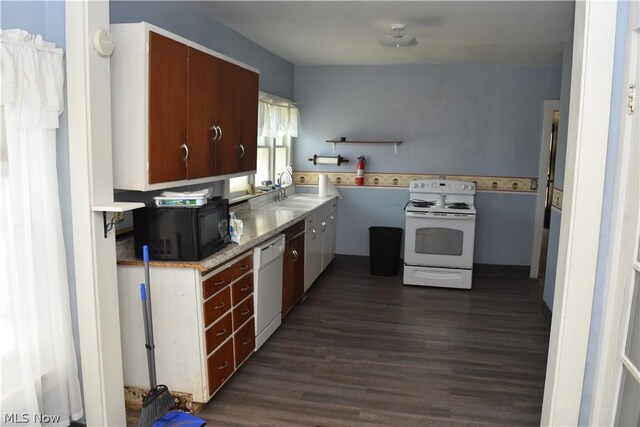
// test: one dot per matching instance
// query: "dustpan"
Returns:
(179, 419)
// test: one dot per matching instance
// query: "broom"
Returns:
(159, 400)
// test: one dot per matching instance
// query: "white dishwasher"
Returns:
(267, 293)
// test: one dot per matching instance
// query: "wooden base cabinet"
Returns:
(293, 267)
(203, 326)
(181, 113)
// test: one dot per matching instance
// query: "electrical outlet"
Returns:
(534, 183)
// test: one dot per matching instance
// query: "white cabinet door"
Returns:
(325, 228)
(312, 256)
(333, 223)
(328, 226)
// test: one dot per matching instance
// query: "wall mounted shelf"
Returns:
(346, 141)
(115, 208)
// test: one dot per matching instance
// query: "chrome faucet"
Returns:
(282, 194)
(283, 191)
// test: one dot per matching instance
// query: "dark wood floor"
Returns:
(366, 350)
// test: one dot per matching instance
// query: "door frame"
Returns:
(91, 169)
(587, 140)
(548, 106)
(608, 372)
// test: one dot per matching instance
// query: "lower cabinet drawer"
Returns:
(216, 306)
(220, 366)
(244, 342)
(241, 289)
(242, 312)
(218, 332)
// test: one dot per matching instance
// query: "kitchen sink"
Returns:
(296, 202)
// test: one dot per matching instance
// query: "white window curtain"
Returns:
(276, 117)
(38, 372)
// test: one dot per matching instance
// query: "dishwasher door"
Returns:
(267, 294)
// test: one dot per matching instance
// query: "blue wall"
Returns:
(561, 158)
(192, 20)
(470, 120)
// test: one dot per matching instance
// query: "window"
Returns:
(274, 155)
(277, 125)
(238, 186)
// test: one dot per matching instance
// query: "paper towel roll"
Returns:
(323, 184)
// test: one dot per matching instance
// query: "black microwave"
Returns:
(182, 233)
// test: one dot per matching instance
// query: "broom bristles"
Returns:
(156, 404)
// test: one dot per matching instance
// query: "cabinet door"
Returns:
(325, 231)
(247, 118)
(288, 277)
(333, 223)
(298, 246)
(312, 256)
(293, 273)
(228, 147)
(168, 76)
(202, 114)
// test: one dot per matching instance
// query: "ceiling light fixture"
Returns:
(398, 38)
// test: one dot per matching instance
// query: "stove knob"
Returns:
(464, 186)
(422, 185)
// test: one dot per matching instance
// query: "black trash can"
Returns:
(384, 250)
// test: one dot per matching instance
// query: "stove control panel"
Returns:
(442, 186)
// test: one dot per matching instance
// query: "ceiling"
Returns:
(448, 32)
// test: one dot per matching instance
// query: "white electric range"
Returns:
(439, 233)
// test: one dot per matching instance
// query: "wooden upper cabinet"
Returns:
(167, 109)
(181, 113)
(247, 118)
(204, 97)
(228, 149)
(237, 150)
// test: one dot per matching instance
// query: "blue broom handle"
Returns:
(151, 356)
(145, 316)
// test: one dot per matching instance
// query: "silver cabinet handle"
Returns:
(295, 255)
(245, 288)
(314, 234)
(324, 226)
(247, 341)
(241, 151)
(214, 128)
(221, 333)
(186, 152)
(245, 312)
(219, 133)
(219, 306)
(219, 282)
(224, 366)
(244, 267)
(332, 219)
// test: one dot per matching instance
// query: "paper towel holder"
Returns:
(328, 160)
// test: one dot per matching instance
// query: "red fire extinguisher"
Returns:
(360, 171)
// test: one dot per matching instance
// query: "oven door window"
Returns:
(439, 241)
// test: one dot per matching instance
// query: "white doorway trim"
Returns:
(89, 106)
(549, 106)
(588, 127)
(623, 243)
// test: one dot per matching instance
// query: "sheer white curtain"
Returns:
(277, 119)
(38, 372)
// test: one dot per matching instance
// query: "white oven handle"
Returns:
(434, 215)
